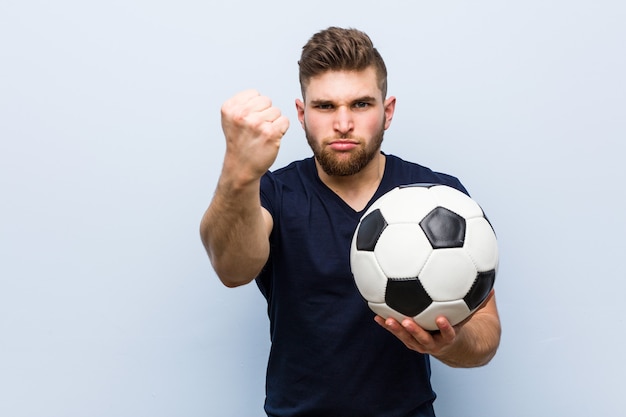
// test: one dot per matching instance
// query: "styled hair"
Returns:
(339, 49)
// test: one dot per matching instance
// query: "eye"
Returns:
(324, 106)
(361, 105)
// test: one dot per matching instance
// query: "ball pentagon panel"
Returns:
(444, 228)
(370, 229)
(407, 296)
(385, 311)
(480, 289)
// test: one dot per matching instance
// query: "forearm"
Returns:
(235, 228)
(477, 339)
(234, 232)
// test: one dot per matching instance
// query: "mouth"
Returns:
(343, 145)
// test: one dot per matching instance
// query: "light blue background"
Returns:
(111, 147)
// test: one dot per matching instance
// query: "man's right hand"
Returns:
(253, 129)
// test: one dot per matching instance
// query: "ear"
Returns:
(300, 110)
(390, 108)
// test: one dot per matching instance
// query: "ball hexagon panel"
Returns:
(402, 250)
(481, 244)
(410, 205)
(369, 278)
(448, 274)
(455, 311)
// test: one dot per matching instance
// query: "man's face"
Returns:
(344, 118)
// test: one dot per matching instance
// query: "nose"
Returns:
(343, 120)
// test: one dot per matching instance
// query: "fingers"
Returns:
(416, 338)
(253, 129)
(278, 121)
(251, 102)
(270, 114)
(249, 108)
(248, 98)
(281, 124)
(406, 332)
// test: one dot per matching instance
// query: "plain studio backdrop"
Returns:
(111, 147)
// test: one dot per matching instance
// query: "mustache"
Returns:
(346, 136)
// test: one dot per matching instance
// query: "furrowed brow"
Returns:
(320, 102)
(363, 99)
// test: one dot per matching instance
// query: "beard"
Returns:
(347, 163)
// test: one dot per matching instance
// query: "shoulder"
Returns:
(296, 177)
(296, 169)
(401, 170)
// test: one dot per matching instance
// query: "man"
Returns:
(290, 230)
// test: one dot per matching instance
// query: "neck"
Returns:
(358, 189)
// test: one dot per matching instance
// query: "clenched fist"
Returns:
(253, 129)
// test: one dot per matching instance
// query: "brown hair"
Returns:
(338, 49)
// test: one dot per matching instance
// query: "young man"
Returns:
(290, 230)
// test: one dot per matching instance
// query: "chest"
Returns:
(312, 238)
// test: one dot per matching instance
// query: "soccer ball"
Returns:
(423, 251)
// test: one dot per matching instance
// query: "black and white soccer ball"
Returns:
(423, 251)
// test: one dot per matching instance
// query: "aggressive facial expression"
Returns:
(344, 117)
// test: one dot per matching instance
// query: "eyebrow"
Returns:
(366, 99)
